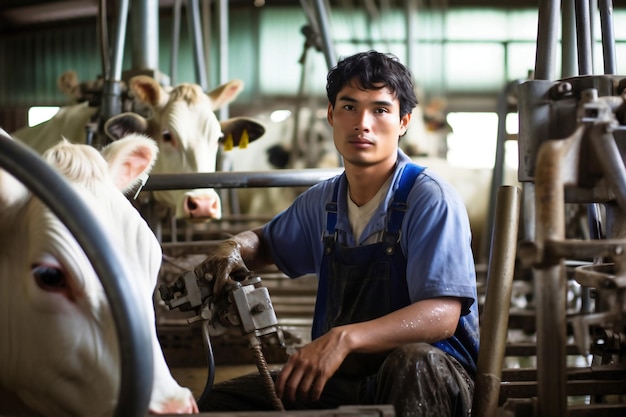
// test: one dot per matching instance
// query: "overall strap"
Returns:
(331, 212)
(398, 205)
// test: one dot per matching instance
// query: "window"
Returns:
(472, 142)
(40, 114)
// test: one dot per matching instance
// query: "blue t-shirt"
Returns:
(435, 239)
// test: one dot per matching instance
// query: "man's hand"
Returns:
(306, 372)
(223, 267)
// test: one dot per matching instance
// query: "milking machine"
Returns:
(572, 143)
(245, 304)
(581, 162)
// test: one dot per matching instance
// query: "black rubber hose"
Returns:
(132, 326)
(208, 349)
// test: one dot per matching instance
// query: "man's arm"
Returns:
(307, 370)
(253, 249)
(231, 259)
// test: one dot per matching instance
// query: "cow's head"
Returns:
(187, 131)
(59, 353)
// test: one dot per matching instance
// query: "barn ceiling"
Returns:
(20, 15)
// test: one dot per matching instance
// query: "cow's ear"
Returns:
(225, 93)
(12, 191)
(239, 131)
(123, 124)
(69, 85)
(130, 160)
(147, 90)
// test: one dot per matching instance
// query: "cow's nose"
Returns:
(205, 206)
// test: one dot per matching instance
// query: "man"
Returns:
(396, 315)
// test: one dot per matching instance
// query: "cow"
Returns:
(312, 148)
(59, 353)
(181, 120)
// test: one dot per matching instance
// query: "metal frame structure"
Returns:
(571, 135)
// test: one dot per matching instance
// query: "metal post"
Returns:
(498, 170)
(145, 29)
(411, 33)
(547, 36)
(222, 14)
(569, 55)
(495, 316)
(323, 25)
(175, 40)
(551, 173)
(608, 35)
(195, 28)
(112, 88)
(549, 280)
(206, 36)
(583, 37)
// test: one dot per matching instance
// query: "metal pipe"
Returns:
(242, 179)
(112, 88)
(145, 26)
(498, 169)
(120, 39)
(206, 36)
(569, 55)
(223, 51)
(175, 41)
(323, 25)
(123, 295)
(411, 12)
(103, 38)
(193, 17)
(555, 167)
(583, 37)
(547, 36)
(493, 331)
(608, 36)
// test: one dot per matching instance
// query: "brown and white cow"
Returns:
(182, 122)
(59, 352)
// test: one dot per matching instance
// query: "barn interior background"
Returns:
(463, 54)
(467, 58)
(465, 51)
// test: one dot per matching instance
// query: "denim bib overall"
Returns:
(363, 283)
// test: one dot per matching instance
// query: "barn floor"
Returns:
(195, 377)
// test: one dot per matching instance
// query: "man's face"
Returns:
(366, 125)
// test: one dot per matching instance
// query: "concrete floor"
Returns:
(194, 378)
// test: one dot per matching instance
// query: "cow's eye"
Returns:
(167, 136)
(49, 278)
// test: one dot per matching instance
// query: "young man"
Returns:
(396, 315)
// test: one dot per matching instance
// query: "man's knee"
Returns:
(415, 354)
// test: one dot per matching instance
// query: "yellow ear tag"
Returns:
(228, 143)
(245, 139)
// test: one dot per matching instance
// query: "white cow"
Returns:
(314, 149)
(59, 352)
(184, 125)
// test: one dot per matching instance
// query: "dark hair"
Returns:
(368, 70)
